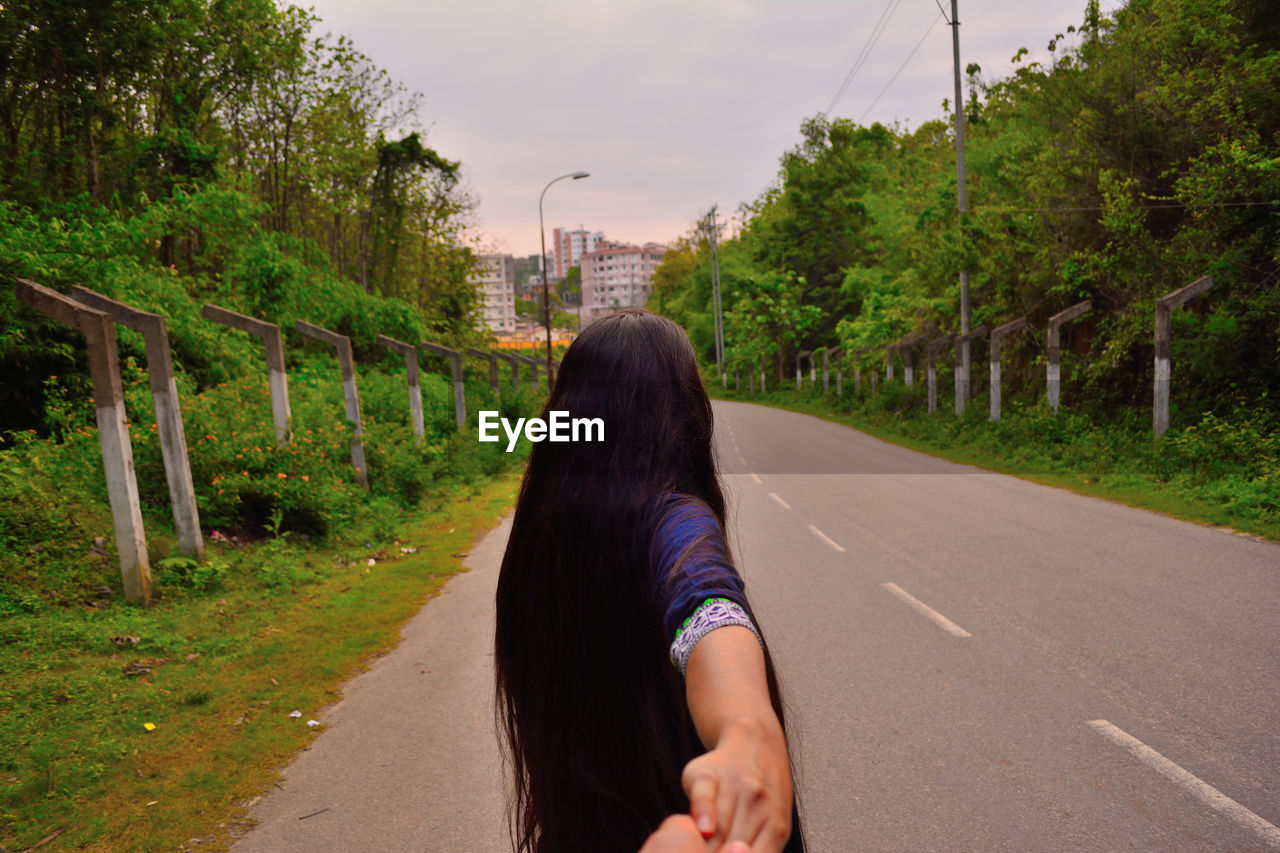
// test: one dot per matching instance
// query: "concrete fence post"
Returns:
(762, 370)
(889, 352)
(961, 371)
(515, 367)
(827, 355)
(737, 380)
(164, 396)
(493, 366)
(347, 364)
(276, 377)
(994, 355)
(410, 354)
(533, 367)
(935, 346)
(113, 430)
(1055, 351)
(1164, 348)
(751, 381)
(857, 366)
(459, 389)
(801, 355)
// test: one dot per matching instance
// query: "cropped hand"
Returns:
(679, 834)
(741, 789)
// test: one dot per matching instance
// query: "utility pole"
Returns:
(715, 291)
(960, 195)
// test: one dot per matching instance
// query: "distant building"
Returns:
(617, 275)
(570, 247)
(496, 280)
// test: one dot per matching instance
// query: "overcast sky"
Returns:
(672, 105)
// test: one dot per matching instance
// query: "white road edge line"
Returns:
(825, 538)
(1201, 790)
(925, 610)
(742, 460)
(780, 501)
(759, 482)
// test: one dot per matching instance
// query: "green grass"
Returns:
(1216, 471)
(282, 628)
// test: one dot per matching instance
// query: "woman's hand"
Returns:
(741, 789)
(679, 834)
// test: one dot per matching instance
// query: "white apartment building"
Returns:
(497, 279)
(571, 246)
(617, 275)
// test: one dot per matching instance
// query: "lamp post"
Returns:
(546, 282)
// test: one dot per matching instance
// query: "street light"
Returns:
(546, 285)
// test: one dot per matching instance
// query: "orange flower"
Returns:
(282, 475)
(305, 478)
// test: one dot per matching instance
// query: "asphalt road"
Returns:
(972, 662)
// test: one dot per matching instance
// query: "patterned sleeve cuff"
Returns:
(711, 614)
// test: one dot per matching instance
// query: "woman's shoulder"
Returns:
(678, 513)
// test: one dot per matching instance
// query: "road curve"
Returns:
(972, 662)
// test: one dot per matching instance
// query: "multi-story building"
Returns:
(497, 278)
(571, 246)
(617, 275)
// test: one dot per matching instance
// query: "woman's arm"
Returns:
(740, 790)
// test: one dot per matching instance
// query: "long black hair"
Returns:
(591, 712)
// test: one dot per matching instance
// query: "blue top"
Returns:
(690, 561)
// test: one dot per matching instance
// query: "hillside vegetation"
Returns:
(168, 154)
(1144, 155)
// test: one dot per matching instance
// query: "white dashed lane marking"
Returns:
(926, 611)
(825, 538)
(1198, 788)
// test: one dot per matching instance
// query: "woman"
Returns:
(632, 682)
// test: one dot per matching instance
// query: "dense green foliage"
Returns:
(1145, 156)
(173, 152)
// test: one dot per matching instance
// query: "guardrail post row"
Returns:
(276, 377)
(1164, 349)
(164, 396)
(935, 346)
(994, 354)
(1055, 351)
(961, 373)
(493, 366)
(459, 389)
(342, 344)
(113, 431)
(410, 354)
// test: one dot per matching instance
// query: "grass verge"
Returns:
(1224, 473)
(272, 628)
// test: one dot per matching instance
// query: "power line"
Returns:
(942, 10)
(900, 67)
(876, 31)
